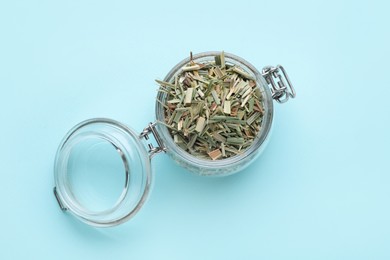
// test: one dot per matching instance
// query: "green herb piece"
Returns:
(240, 114)
(217, 60)
(192, 141)
(178, 115)
(232, 150)
(215, 96)
(219, 137)
(235, 140)
(223, 150)
(251, 104)
(253, 117)
(163, 83)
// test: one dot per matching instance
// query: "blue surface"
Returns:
(319, 191)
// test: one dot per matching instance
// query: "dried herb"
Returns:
(213, 110)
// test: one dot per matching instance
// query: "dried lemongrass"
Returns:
(213, 109)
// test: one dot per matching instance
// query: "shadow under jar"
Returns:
(103, 171)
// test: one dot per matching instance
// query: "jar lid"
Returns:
(102, 172)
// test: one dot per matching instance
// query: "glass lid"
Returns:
(102, 172)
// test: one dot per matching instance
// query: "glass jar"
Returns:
(103, 172)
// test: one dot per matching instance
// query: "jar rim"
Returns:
(136, 163)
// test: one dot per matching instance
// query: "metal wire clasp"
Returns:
(280, 91)
(151, 128)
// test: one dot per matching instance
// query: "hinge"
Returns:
(280, 91)
(151, 129)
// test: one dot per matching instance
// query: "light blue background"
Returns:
(319, 191)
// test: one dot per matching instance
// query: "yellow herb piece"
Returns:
(201, 94)
(191, 68)
(244, 101)
(226, 107)
(200, 124)
(188, 98)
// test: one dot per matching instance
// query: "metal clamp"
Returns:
(151, 128)
(280, 91)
